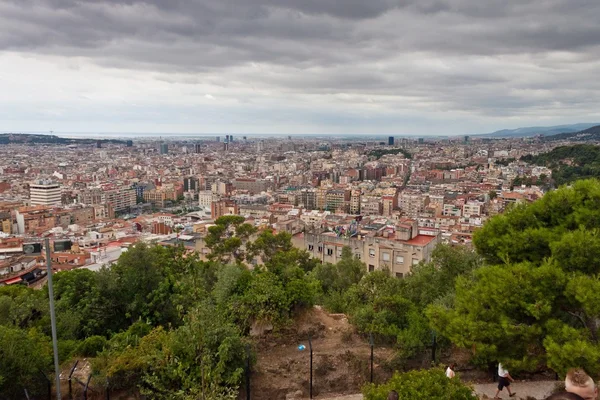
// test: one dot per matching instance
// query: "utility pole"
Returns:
(52, 316)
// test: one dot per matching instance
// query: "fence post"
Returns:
(433, 346)
(70, 379)
(48, 384)
(372, 344)
(87, 385)
(311, 366)
(247, 372)
(107, 390)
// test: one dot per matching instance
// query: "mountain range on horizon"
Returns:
(540, 130)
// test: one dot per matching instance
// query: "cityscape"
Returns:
(299, 199)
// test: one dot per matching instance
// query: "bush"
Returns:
(91, 346)
(424, 384)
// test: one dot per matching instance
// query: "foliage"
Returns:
(227, 238)
(423, 384)
(540, 305)
(23, 355)
(569, 163)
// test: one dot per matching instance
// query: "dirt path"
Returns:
(538, 390)
(525, 390)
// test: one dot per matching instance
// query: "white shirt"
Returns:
(501, 371)
(449, 373)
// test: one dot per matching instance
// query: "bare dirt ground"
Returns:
(340, 359)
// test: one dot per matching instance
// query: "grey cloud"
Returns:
(326, 47)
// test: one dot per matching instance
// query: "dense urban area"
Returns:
(180, 264)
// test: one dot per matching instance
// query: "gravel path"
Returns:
(538, 390)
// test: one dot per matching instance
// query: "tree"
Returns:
(432, 281)
(227, 239)
(538, 306)
(422, 384)
(24, 354)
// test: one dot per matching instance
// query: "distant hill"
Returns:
(539, 130)
(27, 138)
(569, 163)
(589, 134)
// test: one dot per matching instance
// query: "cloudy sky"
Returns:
(297, 66)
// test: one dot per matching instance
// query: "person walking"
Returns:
(504, 380)
(450, 371)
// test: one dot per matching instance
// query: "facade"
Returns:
(355, 201)
(252, 185)
(120, 198)
(396, 252)
(164, 148)
(223, 207)
(159, 197)
(412, 204)
(205, 198)
(45, 193)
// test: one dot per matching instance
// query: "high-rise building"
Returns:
(45, 193)
(218, 138)
(197, 148)
(390, 141)
(421, 140)
(230, 138)
(99, 144)
(130, 143)
(467, 139)
(164, 148)
(190, 184)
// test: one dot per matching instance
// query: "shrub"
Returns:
(423, 384)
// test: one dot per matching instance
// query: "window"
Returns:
(371, 268)
(415, 261)
(320, 249)
(385, 256)
(329, 252)
(400, 259)
(371, 252)
(357, 255)
(399, 275)
(311, 247)
(339, 252)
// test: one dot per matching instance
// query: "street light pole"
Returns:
(52, 316)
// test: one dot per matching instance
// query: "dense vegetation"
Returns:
(425, 384)
(537, 302)
(378, 153)
(569, 163)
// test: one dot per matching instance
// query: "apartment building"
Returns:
(223, 207)
(252, 185)
(121, 198)
(370, 205)
(412, 204)
(355, 196)
(395, 249)
(45, 193)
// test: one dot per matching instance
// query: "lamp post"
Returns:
(52, 316)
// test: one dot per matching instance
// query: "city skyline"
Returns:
(262, 67)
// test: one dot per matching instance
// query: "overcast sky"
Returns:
(297, 66)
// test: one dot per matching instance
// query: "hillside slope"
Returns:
(340, 359)
(586, 135)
